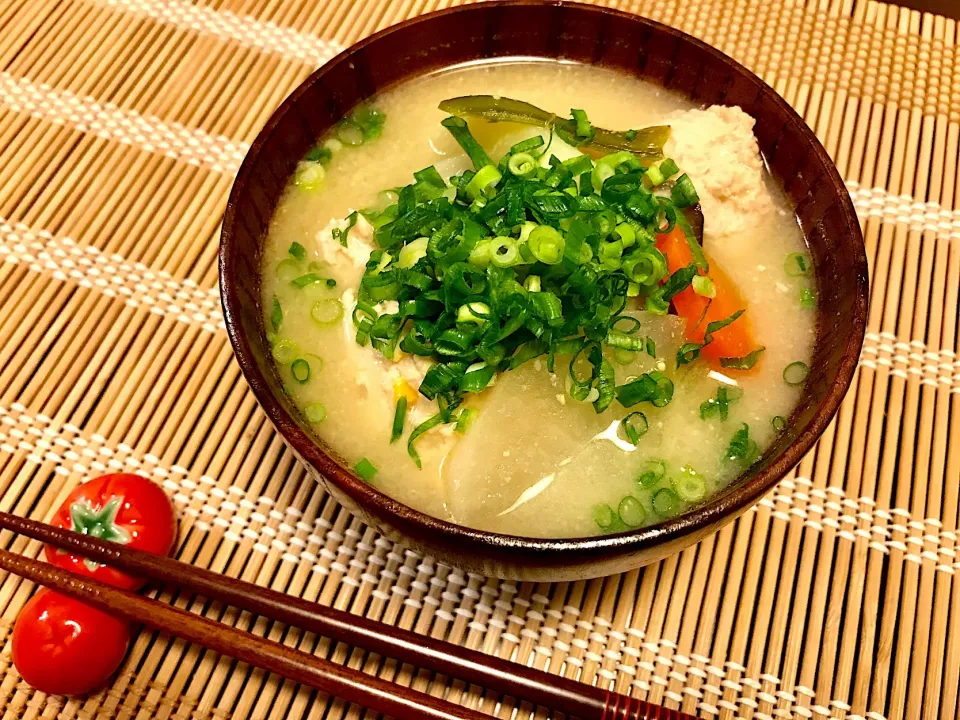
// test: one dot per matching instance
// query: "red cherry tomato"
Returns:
(122, 508)
(63, 647)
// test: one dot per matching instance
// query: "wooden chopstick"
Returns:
(507, 678)
(344, 682)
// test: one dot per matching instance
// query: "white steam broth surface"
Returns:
(536, 462)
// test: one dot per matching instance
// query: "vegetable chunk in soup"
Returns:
(538, 320)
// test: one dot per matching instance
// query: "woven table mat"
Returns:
(122, 123)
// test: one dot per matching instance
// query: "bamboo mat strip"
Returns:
(129, 333)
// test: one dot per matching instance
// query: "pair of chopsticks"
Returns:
(570, 697)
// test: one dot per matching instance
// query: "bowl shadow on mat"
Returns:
(586, 34)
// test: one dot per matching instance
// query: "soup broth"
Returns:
(535, 461)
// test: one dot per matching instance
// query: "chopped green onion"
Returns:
(276, 315)
(634, 427)
(419, 430)
(475, 312)
(684, 194)
(665, 502)
(399, 418)
(650, 347)
(690, 485)
(298, 251)
(365, 469)
(795, 373)
(653, 472)
(797, 264)
(629, 135)
(779, 423)
(412, 253)
(287, 270)
(326, 312)
(532, 283)
(703, 286)
(742, 448)
(528, 145)
(300, 369)
(308, 279)
(669, 168)
(349, 133)
(522, 164)
(742, 363)
(342, 235)
(320, 154)
(484, 182)
(623, 357)
(546, 244)
(309, 175)
(604, 516)
(465, 420)
(461, 133)
(285, 352)
(808, 299)
(631, 512)
(504, 252)
(584, 129)
(369, 120)
(653, 387)
(315, 413)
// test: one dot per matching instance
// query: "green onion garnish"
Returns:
(326, 312)
(308, 279)
(399, 418)
(741, 447)
(635, 426)
(797, 264)
(300, 369)
(309, 175)
(779, 423)
(808, 299)
(341, 235)
(285, 352)
(666, 502)
(315, 413)
(629, 135)
(584, 129)
(461, 133)
(519, 259)
(703, 286)
(683, 193)
(288, 269)
(276, 315)
(465, 420)
(298, 251)
(522, 164)
(604, 516)
(652, 473)
(653, 387)
(631, 512)
(795, 373)
(690, 485)
(365, 469)
(719, 405)
(691, 351)
(742, 363)
(319, 154)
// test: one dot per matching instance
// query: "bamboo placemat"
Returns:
(121, 125)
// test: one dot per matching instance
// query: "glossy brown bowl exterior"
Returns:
(585, 34)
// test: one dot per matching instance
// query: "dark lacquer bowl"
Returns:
(590, 35)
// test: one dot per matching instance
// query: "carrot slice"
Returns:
(736, 339)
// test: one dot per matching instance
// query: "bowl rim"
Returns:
(552, 551)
